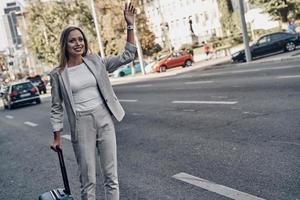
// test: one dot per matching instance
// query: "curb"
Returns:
(290, 58)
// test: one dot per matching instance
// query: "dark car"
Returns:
(39, 83)
(19, 94)
(268, 44)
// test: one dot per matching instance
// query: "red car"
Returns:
(173, 60)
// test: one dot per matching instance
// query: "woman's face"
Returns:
(75, 46)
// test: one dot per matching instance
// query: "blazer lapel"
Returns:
(94, 71)
(66, 83)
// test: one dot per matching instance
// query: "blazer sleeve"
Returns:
(56, 113)
(114, 62)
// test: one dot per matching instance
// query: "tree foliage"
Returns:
(46, 20)
(113, 27)
(279, 9)
(230, 21)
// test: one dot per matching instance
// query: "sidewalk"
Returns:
(202, 64)
(170, 72)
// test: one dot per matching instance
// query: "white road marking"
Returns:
(136, 114)
(207, 102)
(219, 97)
(142, 86)
(198, 82)
(68, 137)
(128, 100)
(31, 124)
(214, 187)
(284, 77)
(249, 70)
(9, 117)
(283, 142)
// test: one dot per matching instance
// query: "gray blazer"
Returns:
(61, 91)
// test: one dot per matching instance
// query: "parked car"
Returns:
(172, 60)
(125, 70)
(20, 93)
(39, 83)
(270, 43)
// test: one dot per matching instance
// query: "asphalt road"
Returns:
(229, 131)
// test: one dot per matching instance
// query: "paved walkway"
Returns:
(202, 64)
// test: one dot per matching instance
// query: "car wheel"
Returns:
(163, 68)
(188, 63)
(38, 101)
(290, 46)
(122, 74)
(5, 107)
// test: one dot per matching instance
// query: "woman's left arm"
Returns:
(114, 62)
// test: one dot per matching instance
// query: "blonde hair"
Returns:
(64, 54)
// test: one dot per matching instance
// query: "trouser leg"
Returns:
(85, 153)
(107, 150)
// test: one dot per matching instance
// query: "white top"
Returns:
(84, 88)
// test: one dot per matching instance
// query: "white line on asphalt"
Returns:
(9, 117)
(216, 188)
(283, 77)
(198, 82)
(207, 102)
(249, 70)
(142, 86)
(30, 124)
(128, 100)
(68, 137)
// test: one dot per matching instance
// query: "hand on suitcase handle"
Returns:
(56, 143)
(56, 148)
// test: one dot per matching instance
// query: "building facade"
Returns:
(178, 22)
(11, 24)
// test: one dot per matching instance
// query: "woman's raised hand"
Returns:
(129, 12)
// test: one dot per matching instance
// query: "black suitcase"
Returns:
(59, 194)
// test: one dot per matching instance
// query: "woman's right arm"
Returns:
(56, 113)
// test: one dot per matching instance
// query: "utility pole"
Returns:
(245, 32)
(139, 49)
(138, 44)
(97, 29)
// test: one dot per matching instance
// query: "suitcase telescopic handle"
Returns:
(63, 170)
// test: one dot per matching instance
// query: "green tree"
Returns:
(146, 36)
(279, 9)
(46, 20)
(113, 27)
(230, 21)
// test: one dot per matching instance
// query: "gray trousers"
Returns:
(96, 137)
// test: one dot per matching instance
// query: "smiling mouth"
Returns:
(78, 49)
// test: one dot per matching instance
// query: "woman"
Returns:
(82, 84)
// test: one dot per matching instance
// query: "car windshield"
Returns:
(22, 86)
